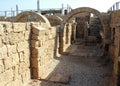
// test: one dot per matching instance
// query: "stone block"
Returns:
(1, 30)
(3, 52)
(17, 82)
(18, 27)
(21, 36)
(21, 56)
(7, 76)
(26, 76)
(27, 35)
(28, 26)
(1, 44)
(11, 49)
(8, 62)
(1, 66)
(39, 30)
(16, 72)
(15, 59)
(15, 37)
(22, 68)
(8, 28)
(22, 46)
(5, 39)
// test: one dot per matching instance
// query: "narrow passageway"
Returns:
(85, 66)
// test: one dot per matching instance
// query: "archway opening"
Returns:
(88, 29)
(82, 26)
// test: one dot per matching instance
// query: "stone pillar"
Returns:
(74, 32)
(67, 34)
(85, 31)
(116, 55)
(61, 33)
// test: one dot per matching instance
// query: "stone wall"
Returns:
(81, 27)
(26, 49)
(67, 36)
(44, 45)
(114, 47)
(14, 54)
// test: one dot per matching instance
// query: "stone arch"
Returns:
(54, 20)
(81, 10)
(73, 13)
(37, 17)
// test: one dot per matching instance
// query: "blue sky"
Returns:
(101, 5)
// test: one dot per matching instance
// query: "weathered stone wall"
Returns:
(14, 54)
(114, 48)
(26, 49)
(81, 27)
(67, 37)
(43, 45)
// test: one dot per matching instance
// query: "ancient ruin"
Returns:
(80, 48)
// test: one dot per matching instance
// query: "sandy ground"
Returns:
(85, 66)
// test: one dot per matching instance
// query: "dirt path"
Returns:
(84, 69)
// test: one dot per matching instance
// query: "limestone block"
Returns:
(2, 83)
(26, 76)
(8, 62)
(1, 44)
(3, 52)
(43, 38)
(18, 27)
(27, 35)
(21, 36)
(8, 28)
(1, 30)
(50, 36)
(22, 46)
(39, 30)
(13, 38)
(43, 32)
(22, 68)
(16, 72)
(5, 39)
(7, 76)
(27, 57)
(28, 26)
(11, 49)
(17, 82)
(21, 56)
(15, 59)
(1, 66)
